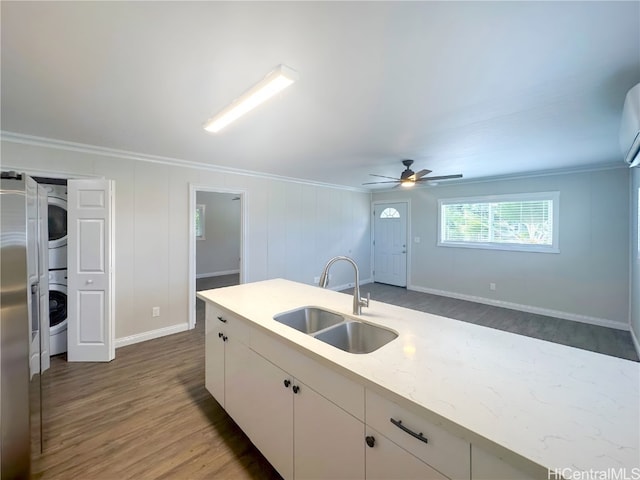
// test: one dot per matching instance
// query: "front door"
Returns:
(390, 243)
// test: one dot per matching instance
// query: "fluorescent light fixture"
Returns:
(274, 82)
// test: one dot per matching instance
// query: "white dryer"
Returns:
(58, 311)
(57, 199)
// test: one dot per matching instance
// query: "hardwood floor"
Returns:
(144, 415)
(207, 283)
(608, 341)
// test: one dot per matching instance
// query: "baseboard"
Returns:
(150, 335)
(602, 322)
(217, 274)
(636, 342)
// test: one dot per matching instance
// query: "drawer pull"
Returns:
(419, 436)
(223, 320)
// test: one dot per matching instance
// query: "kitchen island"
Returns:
(503, 404)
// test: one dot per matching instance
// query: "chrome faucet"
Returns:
(358, 302)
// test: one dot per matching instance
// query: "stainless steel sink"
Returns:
(309, 319)
(356, 337)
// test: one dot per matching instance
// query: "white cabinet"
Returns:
(329, 442)
(260, 402)
(215, 333)
(280, 414)
(385, 460)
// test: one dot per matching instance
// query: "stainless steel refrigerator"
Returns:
(21, 320)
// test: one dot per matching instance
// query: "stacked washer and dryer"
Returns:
(57, 199)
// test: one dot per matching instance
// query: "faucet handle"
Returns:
(365, 301)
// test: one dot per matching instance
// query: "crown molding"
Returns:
(32, 140)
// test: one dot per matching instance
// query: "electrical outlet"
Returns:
(416, 239)
(155, 312)
(492, 286)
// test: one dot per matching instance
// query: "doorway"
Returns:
(216, 246)
(390, 247)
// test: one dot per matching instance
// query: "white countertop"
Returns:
(552, 405)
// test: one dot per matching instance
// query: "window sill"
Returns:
(511, 247)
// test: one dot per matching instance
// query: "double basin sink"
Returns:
(337, 330)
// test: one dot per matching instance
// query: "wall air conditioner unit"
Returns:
(630, 127)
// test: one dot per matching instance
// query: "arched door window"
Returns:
(390, 212)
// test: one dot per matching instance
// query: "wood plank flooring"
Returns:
(608, 341)
(147, 415)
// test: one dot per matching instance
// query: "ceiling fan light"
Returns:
(274, 82)
(407, 183)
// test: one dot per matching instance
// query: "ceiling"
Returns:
(480, 88)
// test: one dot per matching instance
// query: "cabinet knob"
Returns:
(371, 441)
(287, 383)
(224, 338)
(223, 320)
(219, 334)
(296, 389)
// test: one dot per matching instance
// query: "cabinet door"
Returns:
(328, 441)
(386, 460)
(214, 356)
(260, 403)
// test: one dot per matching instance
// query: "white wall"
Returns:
(292, 228)
(588, 280)
(634, 261)
(219, 251)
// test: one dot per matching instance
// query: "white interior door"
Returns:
(43, 264)
(90, 331)
(390, 243)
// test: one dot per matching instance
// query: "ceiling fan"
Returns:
(409, 178)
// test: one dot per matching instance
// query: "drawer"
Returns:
(385, 460)
(444, 451)
(233, 326)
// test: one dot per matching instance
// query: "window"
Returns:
(199, 222)
(526, 222)
(390, 213)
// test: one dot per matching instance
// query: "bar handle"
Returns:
(419, 436)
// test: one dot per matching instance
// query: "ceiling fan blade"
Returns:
(384, 176)
(442, 177)
(420, 174)
(374, 183)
